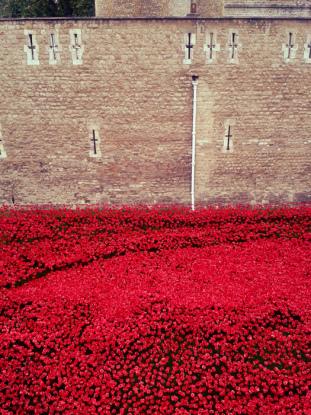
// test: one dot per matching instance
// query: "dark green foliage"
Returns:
(46, 8)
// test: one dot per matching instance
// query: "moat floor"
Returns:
(155, 311)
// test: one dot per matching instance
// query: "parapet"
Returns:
(270, 8)
(131, 8)
(159, 8)
(203, 8)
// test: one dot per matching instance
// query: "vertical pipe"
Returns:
(194, 119)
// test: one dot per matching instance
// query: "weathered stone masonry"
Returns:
(110, 121)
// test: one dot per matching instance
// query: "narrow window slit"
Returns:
(94, 141)
(94, 137)
(53, 46)
(31, 46)
(211, 46)
(189, 42)
(228, 139)
(290, 48)
(193, 7)
(290, 45)
(3, 154)
(233, 45)
(307, 51)
(189, 46)
(76, 46)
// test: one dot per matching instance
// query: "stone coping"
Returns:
(261, 5)
(170, 18)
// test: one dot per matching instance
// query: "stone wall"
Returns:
(140, 8)
(210, 8)
(121, 8)
(268, 8)
(127, 84)
(205, 8)
(179, 8)
(271, 2)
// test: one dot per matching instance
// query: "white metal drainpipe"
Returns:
(195, 81)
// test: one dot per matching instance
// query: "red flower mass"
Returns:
(155, 311)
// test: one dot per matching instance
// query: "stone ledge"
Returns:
(264, 10)
(266, 6)
(154, 18)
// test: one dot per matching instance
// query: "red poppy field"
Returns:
(155, 311)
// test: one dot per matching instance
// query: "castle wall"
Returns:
(133, 8)
(210, 8)
(138, 8)
(205, 8)
(131, 87)
(179, 8)
(271, 2)
(268, 8)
